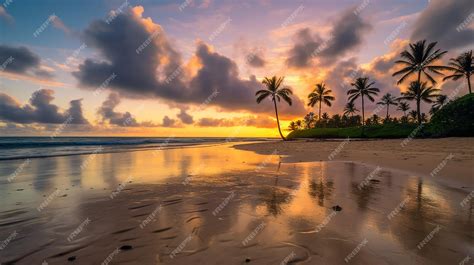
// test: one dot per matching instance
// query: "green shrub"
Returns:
(454, 119)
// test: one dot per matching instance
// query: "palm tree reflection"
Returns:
(274, 197)
(320, 190)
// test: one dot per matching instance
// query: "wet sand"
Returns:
(222, 205)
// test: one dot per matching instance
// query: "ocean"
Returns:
(37, 147)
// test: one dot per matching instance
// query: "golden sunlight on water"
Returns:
(229, 205)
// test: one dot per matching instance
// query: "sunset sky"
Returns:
(192, 67)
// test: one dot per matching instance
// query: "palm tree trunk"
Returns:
(469, 83)
(363, 116)
(388, 106)
(319, 110)
(419, 76)
(418, 112)
(278, 121)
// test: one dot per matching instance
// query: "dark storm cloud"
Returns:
(21, 60)
(123, 45)
(446, 22)
(40, 110)
(302, 53)
(346, 35)
(136, 72)
(185, 117)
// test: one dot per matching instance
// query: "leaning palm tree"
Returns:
(418, 60)
(462, 66)
(441, 101)
(419, 92)
(350, 109)
(276, 92)
(362, 88)
(320, 94)
(403, 106)
(388, 100)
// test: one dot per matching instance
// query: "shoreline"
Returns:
(450, 160)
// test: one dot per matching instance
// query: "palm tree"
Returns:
(276, 92)
(350, 109)
(403, 106)
(419, 92)
(362, 88)
(388, 100)
(462, 66)
(292, 126)
(418, 60)
(413, 115)
(441, 101)
(320, 95)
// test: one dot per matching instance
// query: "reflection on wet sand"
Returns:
(215, 205)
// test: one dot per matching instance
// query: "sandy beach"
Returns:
(248, 204)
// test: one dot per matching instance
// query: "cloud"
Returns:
(108, 114)
(5, 16)
(59, 24)
(346, 35)
(168, 122)
(40, 110)
(185, 117)
(157, 70)
(302, 53)
(446, 22)
(20, 60)
(255, 59)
